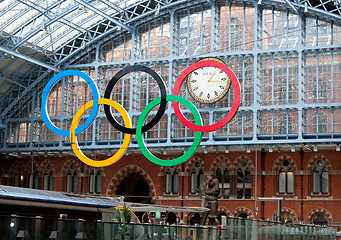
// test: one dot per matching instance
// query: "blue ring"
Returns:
(47, 89)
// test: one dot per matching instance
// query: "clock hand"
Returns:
(211, 76)
(217, 80)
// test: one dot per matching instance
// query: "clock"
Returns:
(208, 84)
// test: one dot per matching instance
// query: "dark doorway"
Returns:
(134, 188)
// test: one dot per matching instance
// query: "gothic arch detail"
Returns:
(237, 162)
(18, 166)
(242, 210)
(280, 159)
(87, 170)
(123, 173)
(221, 161)
(225, 210)
(191, 162)
(312, 161)
(44, 165)
(319, 210)
(290, 211)
(67, 164)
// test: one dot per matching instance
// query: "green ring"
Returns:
(139, 136)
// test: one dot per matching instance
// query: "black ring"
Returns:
(163, 104)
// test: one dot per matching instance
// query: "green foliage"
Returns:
(123, 218)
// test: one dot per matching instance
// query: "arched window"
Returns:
(285, 178)
(197, 176)
(171, 182)
(319, 218)
(244, 183)
(223, 176)
(320, 178)
(95, 181)
(48, 178)
(34, 179)
(72, 179)
(19, 177)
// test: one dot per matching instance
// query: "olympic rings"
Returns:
(140, 128)
(47, 89)
(119, 153)
(235, 105)
(160, 111)
(139, 135)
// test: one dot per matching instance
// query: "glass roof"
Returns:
(48, 24)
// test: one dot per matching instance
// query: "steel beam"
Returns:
(103, 14)
(26, 58)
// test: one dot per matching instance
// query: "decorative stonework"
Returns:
(291, 212)
(87, 170)
(240, 210)
(67, 166)
(190, 164)
(319, 210)
(123, 173)
(18, 167)
(220, 162)
(43, 167)
(242, 162)
(279, 161)
(224, 210)
(312, 162)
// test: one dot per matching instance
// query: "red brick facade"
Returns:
(301, 205)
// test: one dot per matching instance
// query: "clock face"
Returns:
(208, 84)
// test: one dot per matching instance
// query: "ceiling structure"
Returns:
(39, 37)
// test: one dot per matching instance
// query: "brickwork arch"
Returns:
(245, 160)
(192, 161)
(290, 211)
(313, 160)
(224, 210)
(242, 210)
(220, 161)
(280, 159)
(123, 173)
(87, 170)
(44, 165)
(19, 167)
(319, 210)
(67, 165)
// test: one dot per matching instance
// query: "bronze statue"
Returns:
(209, 192)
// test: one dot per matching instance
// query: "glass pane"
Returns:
(324, 181)
(281, 182)
(194, 182)
(316, 181)
(99, 183)
(168, 182)
(176, 182)
(290, 179)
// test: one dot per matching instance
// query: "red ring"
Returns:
(235, 105)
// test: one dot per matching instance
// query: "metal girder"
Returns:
(26, 58)
(8, 80)
(103, 14)
(25, 92)
(117, 8)
(292, 6)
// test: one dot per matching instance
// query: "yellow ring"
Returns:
(119, 153)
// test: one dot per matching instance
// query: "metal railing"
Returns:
(38, 228)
